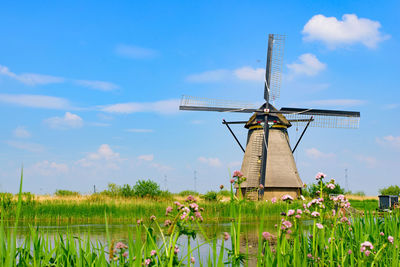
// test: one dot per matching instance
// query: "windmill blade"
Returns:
(323, 118)
(273, 75)
(219, 105)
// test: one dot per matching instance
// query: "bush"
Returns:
(127, 191)
(391, 190)
(211, 196)
(63, 193)
(146, 188)
(224, 193)
(186, 193)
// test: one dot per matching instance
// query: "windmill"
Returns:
(268, 158)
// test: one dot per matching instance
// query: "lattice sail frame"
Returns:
(192, 101)
(276, 66)
(324, 121)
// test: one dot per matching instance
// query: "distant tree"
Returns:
(127, 191)
(391, 190)
(210, 196)
(146, 188)
(63, 193)
(185, 193)
(112, 190)
(359, 193)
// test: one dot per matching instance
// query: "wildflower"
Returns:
(231, 181)
(330, 239)
(183, 216)
(221, 186)
(177, 203)
(319, 176)
(343, 219)
(121, 245)
(147, 261)
(167, 222)
(320, 226)
(289, 231)
(226, 236)
(153, 252)
(390, 239)
(290, 212)
(382, 234)
(168, 210)
(237, 174)
(198, 216)
(366, 245)
(267, 236)
(192, 260)
(367, 252)
(299, 211)
(194, 206)
(176, 250)
(261, 187)
(140, 221)
(330, 186)
(349, 251)
(273, 200)
(309, 255)
(297, 216)
(287, 224)
(190, 198)
(152, 218)
(125, 254)
(315, 213)
(286, 197)
(333, 212)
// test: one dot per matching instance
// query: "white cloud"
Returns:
(47, 168)
(337, 102)
(391, 106)
(31, 147)
(250, 74)
(349, 30)
(213, 162)
(308, 65)
(30, 78)
(98, 85)
(245, 73)
(370, 162)
(21, 132)
(35, 101)
(135, 52)
(390, 141)
(314, 153)
(163, 107)
(149, 157)
(68, 121)
(139, 130)
(104, 157)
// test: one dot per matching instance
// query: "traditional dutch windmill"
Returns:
(268, 158)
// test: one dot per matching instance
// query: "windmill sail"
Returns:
(273, 76)
(219, 105)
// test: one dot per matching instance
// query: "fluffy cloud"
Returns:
(104, 157)
(314, 153)
(21, 132)
(244, 74)
(349, 30)
(68, 121)
(135, 52)
(163, 107)
(35, 101)
(47, 168)
(308, 65)
(31, 147)
(390, 141)
(369, 161)
(98, 85)
(30, 78)
(213, 162)
(149, 157)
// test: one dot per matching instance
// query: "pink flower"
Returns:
(309, 255)
(390, 239)
(286, 197)
(349, 251)
(382, 233)
(289, 231)
(192, 260)
(147, 261)
(287, 224)
(167, 222)
(176, 250)
(333, 212)
(168, 210)
(139, 221)
(226, 236)
(231, 181)
(190, 198)
(152, 218)
(320, 175)
(273, 200)
(267, 236)
(194, 206)
(299, 211)
(315, 213)
(319, 226)
(125, 254)
(177, 203)
(153, 252)
(367, 252)
(237, 174)
(366, 245)
(290, 212)
(330, 186)
(298, 216)
(121, 245)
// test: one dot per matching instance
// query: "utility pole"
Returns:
(195, 178)
(94, 189)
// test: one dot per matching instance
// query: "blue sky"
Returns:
(89, 91)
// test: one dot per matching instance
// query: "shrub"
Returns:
(146, 188)
(127, 191)
(113, 190)
(391, 190)
(185, 193)
(210, 196)
(63, 193)
(224, 193)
